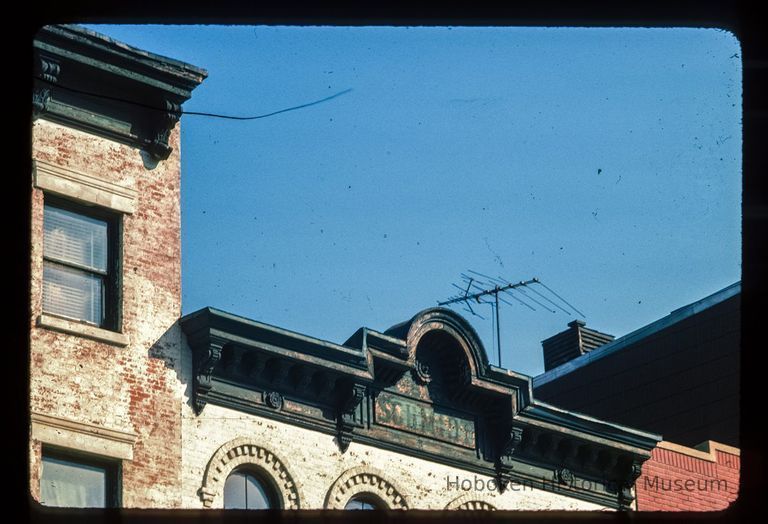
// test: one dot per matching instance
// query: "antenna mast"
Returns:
(486, 286)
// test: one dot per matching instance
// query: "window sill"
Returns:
(76, 328)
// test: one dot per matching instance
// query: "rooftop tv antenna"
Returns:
(480, 288)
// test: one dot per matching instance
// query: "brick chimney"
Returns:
(572, 343)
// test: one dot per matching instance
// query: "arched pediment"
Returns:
(439, 335)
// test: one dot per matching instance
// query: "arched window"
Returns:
(363, 501)
(364, 487)
(245, 489)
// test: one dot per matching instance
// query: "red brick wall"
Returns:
(136, 388)
(677, 481)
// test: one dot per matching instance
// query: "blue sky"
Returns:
(606, 162)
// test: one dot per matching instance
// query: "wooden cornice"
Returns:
(353, 390)
(90, 82)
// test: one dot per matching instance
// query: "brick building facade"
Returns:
(106, 388)
(679, 478)
(679, 377)
(132, 406)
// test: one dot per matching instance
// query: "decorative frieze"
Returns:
(400, 402)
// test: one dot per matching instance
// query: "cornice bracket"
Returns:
(349, 401)
(46, 73)
(632, 473)
(504, 461)
(204, 359)
(158, 146)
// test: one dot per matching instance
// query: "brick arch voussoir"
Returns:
(368, 480)
(244, 451)
(472, 501)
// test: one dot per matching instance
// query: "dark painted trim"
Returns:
(585, 424)
(545, 440)
(90, 82)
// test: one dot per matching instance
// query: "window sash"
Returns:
(72, 483)
(75, 239)
(81, 247)
(73, 293)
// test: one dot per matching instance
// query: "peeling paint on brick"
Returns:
(133, 388)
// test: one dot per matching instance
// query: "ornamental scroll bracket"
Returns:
(47, 70)
(205, 358)
(632, 473)
(349, 400)
(504, 461)
(157, 144)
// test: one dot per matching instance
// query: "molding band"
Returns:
(84, 187)
(90, 438)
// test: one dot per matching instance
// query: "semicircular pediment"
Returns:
(441, 341)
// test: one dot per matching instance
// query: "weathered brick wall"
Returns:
(685, 479)
(134, 388)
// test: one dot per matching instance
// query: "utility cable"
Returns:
(193, 113)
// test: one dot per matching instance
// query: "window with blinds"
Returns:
(79, 267)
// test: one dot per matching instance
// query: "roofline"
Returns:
(214, 312)
(584, 419)
(676, 316)
(94, 38)
(140, 97)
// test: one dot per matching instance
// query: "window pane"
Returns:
(72, 485)
(72, 293)
(76, 239)
(356, 503)
(243, 490)
(234, 491)
(256, 494)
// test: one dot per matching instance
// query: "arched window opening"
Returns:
(364, 501)
(245, 489)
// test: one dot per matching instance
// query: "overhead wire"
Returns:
(181, 112)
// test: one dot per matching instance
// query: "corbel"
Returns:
(504, 461)
(324, 384)
(566, 451)
(256, 363)
(157, 146)
(625, 485)
(205, 359)
(47, 72)
(350, 398)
